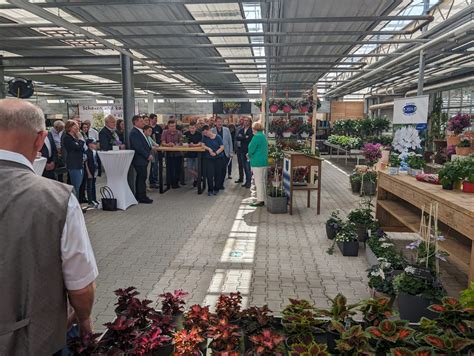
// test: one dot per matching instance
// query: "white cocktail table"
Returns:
(116, 165)
(39, 164)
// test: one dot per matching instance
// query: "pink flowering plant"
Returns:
(372, 152)
(458, 123)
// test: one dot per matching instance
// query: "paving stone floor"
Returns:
(212, 245)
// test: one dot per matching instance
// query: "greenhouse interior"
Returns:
(237, 177)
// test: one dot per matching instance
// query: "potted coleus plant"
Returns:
(416, 162)
(353, 341)
(300, 322)
(394, 161)
(228, 307)
(463, 148)
(389, 334)
(375, 310)
(309, 349)
(172, 304)
(187, 342)
(268, 343)
(347, 240)
(125, 296)
(448, 344)
(225, 338)
(333, 225)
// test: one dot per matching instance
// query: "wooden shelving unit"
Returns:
(400, 199)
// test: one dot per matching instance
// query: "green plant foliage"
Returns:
(346, 142)
(467, 297)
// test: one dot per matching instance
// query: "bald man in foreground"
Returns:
(46, 258)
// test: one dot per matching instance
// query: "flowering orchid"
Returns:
(413, 245)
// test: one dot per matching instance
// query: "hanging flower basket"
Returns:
(273, 108)
(303, 109)
(286, 109)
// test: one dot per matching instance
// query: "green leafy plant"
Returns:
(415, 161)
(390, 333)
(467, 297)
(464, 143)
(311, 349)
(354, 341)
(361, 216)
(335, 221)
(453, 316)
(380, 277)
(299, 319)
(346, 233)
(447, 343)
(376, 310)
(410, 283)
(340, 310)
(394, 160)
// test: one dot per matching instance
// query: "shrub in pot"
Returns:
(416, 162)
(312, 348)
(368, 183)
(187, 342)
(225, 338)
(467, 168)
(333, 225)
(347, 240)
(228, 307)
(362, 219)
(394, 161)
(356, 182)
(463, 148)
(277, 201)
(268, 343)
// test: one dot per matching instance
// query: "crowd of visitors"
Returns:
(72, 147)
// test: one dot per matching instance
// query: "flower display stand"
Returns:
(400, 199)
(297, 159)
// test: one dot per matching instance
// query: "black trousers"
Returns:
(82, 189)
(140, 182)
(225, 161)
(214, 171)
(241, 166)
(174, 168)
(91, 193)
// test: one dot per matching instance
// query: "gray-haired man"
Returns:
(46, 257)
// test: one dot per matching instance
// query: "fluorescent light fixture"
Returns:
(164, 78)
(91, 78)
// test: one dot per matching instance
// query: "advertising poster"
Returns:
(412, 110)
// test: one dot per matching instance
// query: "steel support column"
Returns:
(2, 80)
(128, 94)
(421, 65)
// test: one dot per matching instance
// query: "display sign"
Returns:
(287, 176)
(413, 110)
(232, 108)
(96, 113)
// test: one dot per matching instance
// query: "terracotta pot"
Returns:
(453, 140)
(385, 155)
(286, 108)
(463, 151)
(273, 108)
(468, 187)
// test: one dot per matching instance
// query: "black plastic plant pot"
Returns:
(413, 308)
(355, 186)
(331, 342)
(368, 188)
(350, 248)
(331, 232)
(165, 350)
(448, 186)
(277, 205)
(361, 231)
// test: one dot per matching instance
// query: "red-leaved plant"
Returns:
(390, 333)
(225, 338)
(125, 296)
(173, 303)
(255, 319)
(199, 317)
(268, 343)
(84, 345)
(148, 341)
(187, 342)
(228, 306)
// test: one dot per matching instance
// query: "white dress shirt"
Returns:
(48, 146)
(78, 261)
(93, 133)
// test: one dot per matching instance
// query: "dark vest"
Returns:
(33, 309)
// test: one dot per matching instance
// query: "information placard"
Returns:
(287, 176)
(412, 110)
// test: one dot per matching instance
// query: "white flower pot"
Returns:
(271, 134)
(415, 172)
(304, 135)
(287, 134)
(393, 171)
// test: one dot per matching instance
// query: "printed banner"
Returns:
(413, 110)
(96, 113)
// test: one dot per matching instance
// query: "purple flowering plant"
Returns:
(458, 123)
(372, 152)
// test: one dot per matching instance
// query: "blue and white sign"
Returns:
(412, 110)
(287, 176)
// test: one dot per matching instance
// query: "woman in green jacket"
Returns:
(258, 156)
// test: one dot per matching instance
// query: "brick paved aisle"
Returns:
(212, 245)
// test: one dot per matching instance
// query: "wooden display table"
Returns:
(400, 199)
(296, 159)
(163, 151)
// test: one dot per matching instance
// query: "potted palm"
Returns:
(393, 164)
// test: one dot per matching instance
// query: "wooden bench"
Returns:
(400, 199)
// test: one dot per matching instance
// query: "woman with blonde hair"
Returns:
(258, 156)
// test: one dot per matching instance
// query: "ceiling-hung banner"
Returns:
(412, 110)
(232, 108)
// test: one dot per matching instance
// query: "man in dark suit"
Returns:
(108, 137)
(142, 157)
(50, 152)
